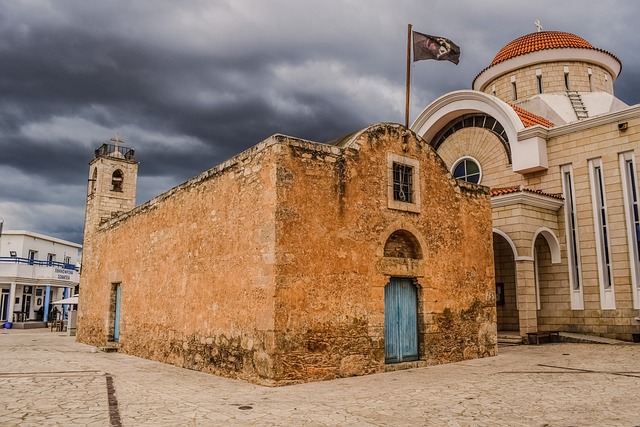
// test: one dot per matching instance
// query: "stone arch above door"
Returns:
(402, 244)
(404, 231)
(400, 251)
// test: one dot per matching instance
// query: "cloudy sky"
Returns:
(191, 83)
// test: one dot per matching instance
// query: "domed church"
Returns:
(542, 128)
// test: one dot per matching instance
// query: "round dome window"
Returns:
(467, 169)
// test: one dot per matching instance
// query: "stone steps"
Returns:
(36, 324)
(509, 339)
(514, 339)
(110, 347)
(589, 339)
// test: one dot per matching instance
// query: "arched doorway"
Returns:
(401, 301)
(506, 297)
(551, 293)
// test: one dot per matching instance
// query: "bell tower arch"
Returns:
(112, 183)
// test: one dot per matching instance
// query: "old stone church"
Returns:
(293, 261)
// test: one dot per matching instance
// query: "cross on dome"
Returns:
(538, 25)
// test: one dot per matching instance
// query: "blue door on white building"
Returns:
(400, 321)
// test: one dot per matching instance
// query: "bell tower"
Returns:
(112, 183)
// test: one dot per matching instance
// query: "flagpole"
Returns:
(406, 114)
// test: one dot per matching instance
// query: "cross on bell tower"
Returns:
(116, 141)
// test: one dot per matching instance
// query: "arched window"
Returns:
(116, 180)
(93, 181)
(473, 120)
(467, 169)
(402, 244)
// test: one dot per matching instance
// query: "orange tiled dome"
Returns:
(540, 41)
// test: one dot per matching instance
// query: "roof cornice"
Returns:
(41, 237)
(527, 198)
(632, 112)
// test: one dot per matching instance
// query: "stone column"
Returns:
(526, 296)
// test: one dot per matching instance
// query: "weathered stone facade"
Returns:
(272, 267)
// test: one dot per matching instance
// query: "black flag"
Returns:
(434, 47)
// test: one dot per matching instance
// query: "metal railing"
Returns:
(40, 263)
(108, 149)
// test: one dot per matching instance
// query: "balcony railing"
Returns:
(17, 260)
(40, 271)
(106, 150)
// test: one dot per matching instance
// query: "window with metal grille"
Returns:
(402, 183)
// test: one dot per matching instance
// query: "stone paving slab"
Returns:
(46, 378)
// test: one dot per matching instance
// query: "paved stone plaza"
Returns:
(46, 378)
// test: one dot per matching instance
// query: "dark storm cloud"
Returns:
(189, 84)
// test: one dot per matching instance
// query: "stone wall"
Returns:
(196, 268)
(333, 225)
(553, 80)
(604, 141)
(485, 147)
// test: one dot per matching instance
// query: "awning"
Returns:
(70, 300)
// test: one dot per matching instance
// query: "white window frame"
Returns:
(536, 278)
(462, 159)
(33, 256)
(602, 232)
(629, 180)
(574, 266)
(414, 205)
(539, 80)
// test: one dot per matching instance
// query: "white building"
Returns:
(35, 270)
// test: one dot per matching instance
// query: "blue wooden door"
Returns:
(116, 317)
(400, 321)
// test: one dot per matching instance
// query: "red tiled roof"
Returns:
(543, 40)
(530, 119)
(540, 41)
(520, 188)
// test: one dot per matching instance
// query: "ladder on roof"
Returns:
(577, 104)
